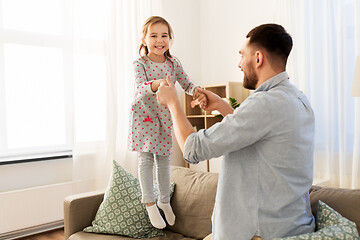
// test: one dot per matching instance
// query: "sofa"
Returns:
(193, 201)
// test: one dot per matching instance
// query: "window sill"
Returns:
(35, 158)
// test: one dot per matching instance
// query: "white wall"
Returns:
(184, 18)
(34, 174)
(224, 25)
(32, 193)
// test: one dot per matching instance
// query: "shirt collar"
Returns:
(272, 82)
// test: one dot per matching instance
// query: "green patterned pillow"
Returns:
(330, 225)
(121, 211)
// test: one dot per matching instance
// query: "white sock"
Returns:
(155, 217)
(169, 214)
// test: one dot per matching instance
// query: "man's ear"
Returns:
(259, 58)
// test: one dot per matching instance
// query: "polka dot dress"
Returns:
(151, 123)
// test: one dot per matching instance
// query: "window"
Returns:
(52, 64)
(35, 79)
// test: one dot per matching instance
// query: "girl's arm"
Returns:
(189, 87)
(183, 78)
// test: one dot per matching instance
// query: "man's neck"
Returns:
(266, 75)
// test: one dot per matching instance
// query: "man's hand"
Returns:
(198, 98)
(156, 84)
(166, 94)
(214, 102)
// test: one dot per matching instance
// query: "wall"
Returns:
(185, 20)
(32, 193)
(34, 174)
(224, 25)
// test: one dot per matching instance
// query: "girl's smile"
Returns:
(157, 41)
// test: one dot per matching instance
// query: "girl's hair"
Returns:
(150, 21)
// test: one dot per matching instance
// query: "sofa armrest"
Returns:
(344, 201)
(80, 211)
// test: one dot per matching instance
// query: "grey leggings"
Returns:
(145, 168)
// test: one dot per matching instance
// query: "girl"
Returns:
(151, 123)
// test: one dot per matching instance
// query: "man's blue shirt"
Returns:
(267, 168)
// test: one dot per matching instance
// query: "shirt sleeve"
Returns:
(248, 124)
(183, 78)
(142, 85)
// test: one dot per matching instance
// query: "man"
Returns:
(267, 145)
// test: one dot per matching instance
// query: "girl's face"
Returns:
(157, 41)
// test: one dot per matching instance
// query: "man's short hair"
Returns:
(273, 38)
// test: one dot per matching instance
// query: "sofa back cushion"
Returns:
(193, 201)
(344, 201)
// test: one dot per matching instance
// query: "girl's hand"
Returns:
(199, 99)
(213, 101)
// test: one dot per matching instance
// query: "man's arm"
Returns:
(167, 96)
(182, 126)
(236, 131)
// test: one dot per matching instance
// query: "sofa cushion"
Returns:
(330, 225)
(121, 211)
(344, 201)
(169, 235)
(193, 201)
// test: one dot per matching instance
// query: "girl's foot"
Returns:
(155, 217)
(169, 214)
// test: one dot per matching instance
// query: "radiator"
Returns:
(32, 210)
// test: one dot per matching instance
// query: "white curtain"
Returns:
(105, 40)
(326, 38)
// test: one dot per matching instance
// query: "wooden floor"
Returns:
(52, 235)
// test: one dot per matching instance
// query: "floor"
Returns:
(52, 235)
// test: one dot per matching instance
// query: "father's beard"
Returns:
(250, 79)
